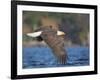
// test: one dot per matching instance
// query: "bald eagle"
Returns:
(54, 40)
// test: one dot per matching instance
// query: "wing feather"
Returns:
(56, 43)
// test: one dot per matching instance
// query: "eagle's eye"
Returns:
(50, 26)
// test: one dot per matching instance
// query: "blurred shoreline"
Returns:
(43, 44)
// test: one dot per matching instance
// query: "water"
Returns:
(41, 57)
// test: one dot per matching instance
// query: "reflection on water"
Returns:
(41, 57)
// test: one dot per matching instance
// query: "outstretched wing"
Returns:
(56, 43)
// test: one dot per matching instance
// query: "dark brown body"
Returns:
(56, 43)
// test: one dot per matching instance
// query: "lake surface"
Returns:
(41, 57)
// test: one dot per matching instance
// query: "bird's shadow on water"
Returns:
(42, 57)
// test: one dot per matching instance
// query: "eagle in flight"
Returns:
(54, 40)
